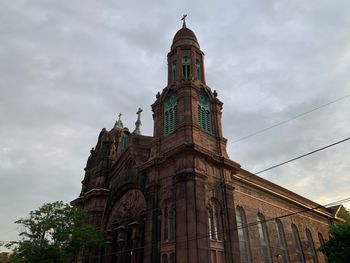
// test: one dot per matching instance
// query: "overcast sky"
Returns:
(67, 68)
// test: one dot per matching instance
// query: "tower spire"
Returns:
(184, 20)
(138, 122)
(119, 123)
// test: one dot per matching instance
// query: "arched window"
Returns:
(282, 241)
(198, 69)
(242, 230)
(311, 246)
(170, 113)
(172, 258)
(166, 224)
(214, 221)
(264, 242)
(204, 116)
(173, 70)
(321, 239)
(124, 141)
(297, 244)
(169, 223)
(165, 258)
(172, 222)
(186, 67)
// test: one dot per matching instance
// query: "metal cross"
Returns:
(184, 20)
(139, 113)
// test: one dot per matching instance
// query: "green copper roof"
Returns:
(138, 123)
(119, 123)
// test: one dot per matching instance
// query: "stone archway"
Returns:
(125, 228)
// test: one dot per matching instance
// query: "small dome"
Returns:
(184, 36)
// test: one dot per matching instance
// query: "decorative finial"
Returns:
(138, 123)
(184, 20)
(119, 123)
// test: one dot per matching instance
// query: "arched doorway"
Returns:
(125, 228)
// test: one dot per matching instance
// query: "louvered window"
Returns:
(169, 114)
(204, 116)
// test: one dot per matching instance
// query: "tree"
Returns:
(337, 248)
(344, 213)
(54, 233)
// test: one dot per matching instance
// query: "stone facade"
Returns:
(177, 197)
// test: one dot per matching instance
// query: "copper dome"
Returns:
(184, 36)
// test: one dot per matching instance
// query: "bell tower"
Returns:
(188, 171)
(187, 111)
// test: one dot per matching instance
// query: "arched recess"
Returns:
(215, 231)
(243, 237)
(168, 220)
(125, 227)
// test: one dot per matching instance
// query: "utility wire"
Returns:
(217, 183)
(301, 156)
(288, 120)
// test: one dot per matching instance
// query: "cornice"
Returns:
(280, 192)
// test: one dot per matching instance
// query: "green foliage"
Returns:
(54, 233)
(337, 248)
(4, 259)
(344, 213)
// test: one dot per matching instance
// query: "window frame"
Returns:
(170, 113)
(173, 70)
(186, 67)
(264, 239)
(282, 240)
(204, 112)
(311, 246)
(198, 69)
(243, 235)
(297, 244)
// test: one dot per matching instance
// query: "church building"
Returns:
(177, 197)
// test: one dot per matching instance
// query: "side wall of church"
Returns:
(254, 202)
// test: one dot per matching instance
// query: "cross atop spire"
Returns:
(138, 122)
(119, 123)
(184, 20)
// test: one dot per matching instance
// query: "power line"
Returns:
(288, 120)
(217, 183)
(301, 156)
